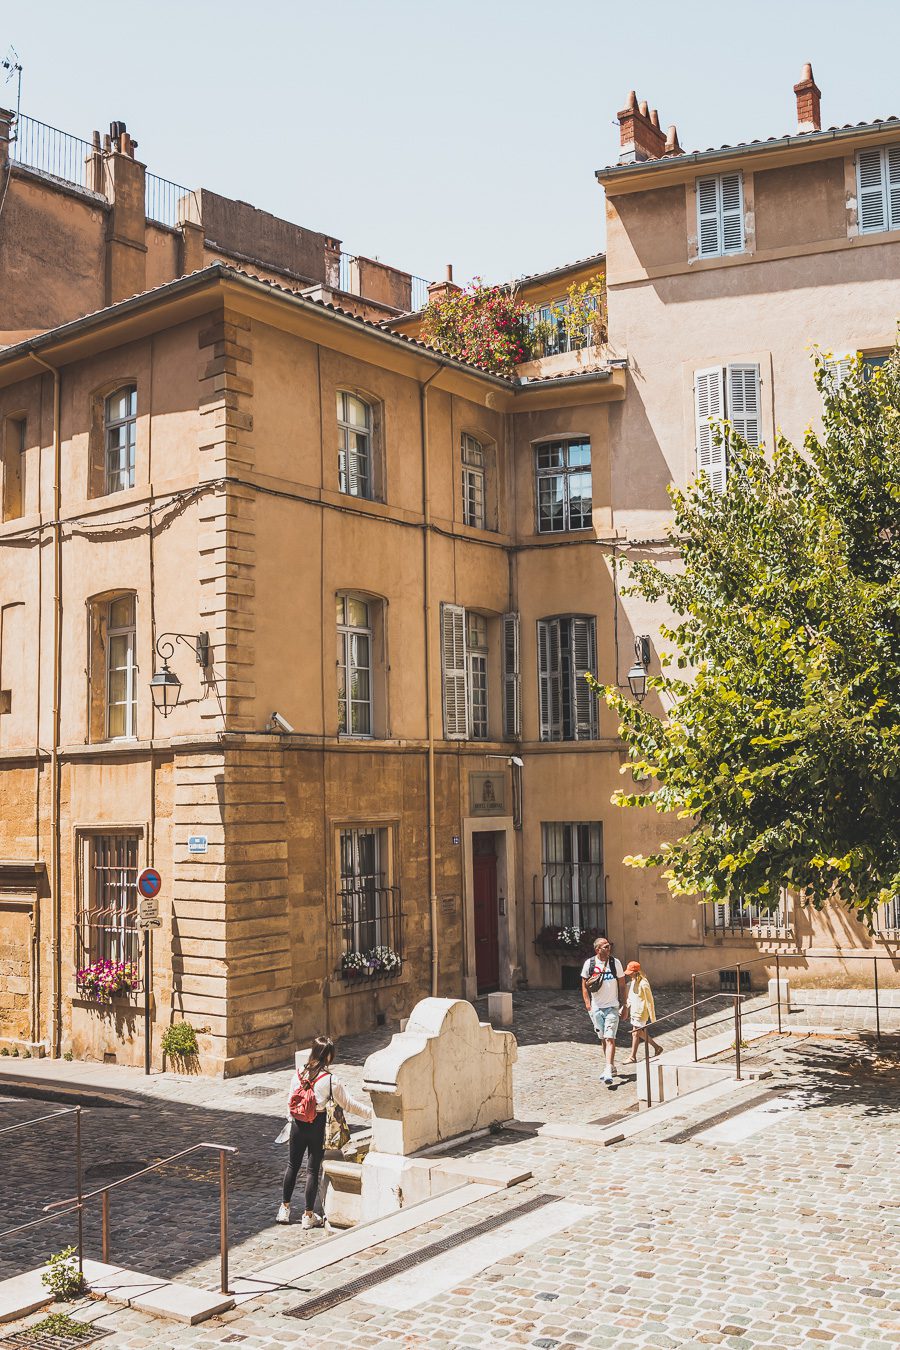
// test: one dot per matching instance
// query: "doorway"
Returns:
(486, 912)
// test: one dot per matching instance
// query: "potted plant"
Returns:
(378, 962)
(105, 980)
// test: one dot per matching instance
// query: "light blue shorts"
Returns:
(606, 1022)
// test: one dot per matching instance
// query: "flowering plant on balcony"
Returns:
(102, 981)
(366, 965)
(489, 326)
(570, 939)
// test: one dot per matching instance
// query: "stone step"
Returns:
(153, 1294)
(23, 1294)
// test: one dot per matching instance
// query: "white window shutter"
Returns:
(732, 198)
(892, 155)
(548, 680)
(453, 671)
(708, 235)
(709, 402)
(721, 916)
(872, 211)
(584, 660)
(743, 402)
(512, 716)
(839, 367)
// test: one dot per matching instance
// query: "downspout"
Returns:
(429, 718)
(55, 865)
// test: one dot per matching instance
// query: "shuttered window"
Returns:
(567, 651)
(720, 215)
(454, 672)
(730, 392)
(878, 189)
(512, 718)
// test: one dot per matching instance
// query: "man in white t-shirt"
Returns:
(603, 991)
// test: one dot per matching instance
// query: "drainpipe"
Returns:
(429, 720)
(55, 867)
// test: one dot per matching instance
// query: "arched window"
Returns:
(355, 468)
(120, 438)
(354, 664)
(113, 667)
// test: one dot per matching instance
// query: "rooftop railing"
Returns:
(51, 151)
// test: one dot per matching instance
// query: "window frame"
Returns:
(347, 429)
(478, 695)
(558, 689)
(722, 393)
(348, 634)
(576, 874)
(116, 940)
(473, 461)
(110, 424)
(565, 472)
(15, 432)
(721, 214)
(888, 188)
(130, 669)
(373, 918)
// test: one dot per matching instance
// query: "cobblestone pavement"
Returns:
(789, 1238)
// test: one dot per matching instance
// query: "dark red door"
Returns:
(487, 951)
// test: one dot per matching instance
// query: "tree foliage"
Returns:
(780, 750)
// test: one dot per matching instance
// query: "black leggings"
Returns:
(306, 1137)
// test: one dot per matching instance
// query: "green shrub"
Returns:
(63, 1278)
(179, 1041)
(4, 1049)
(60, 1324)
(15, 1052)
(68, 1055)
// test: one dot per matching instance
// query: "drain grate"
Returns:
(261, 1092)
(324, 1302)
(56, 1332)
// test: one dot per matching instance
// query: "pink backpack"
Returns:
(302, 1101)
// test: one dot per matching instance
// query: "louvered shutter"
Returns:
(709, 403)
(721, 916)
(732, 199)
(512, 718)
(584, 660)
(708, 240)
(870, 183)
(453, 671)
(548, 679)
(893, 183)
(839, 368)
(743, 402)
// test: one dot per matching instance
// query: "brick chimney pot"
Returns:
(809, 117)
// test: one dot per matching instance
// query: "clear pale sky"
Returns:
(463, 132)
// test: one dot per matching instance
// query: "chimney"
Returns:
(808, 93)
(640, 134)
(439, 290)
(672, 146)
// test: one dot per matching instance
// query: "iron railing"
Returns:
(169, 203)
(39, 146)
(35, 1223)
(369, 918)
(751, 921)
(418, 286)
(573, 896)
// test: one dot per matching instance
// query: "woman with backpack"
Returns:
(313, 1088)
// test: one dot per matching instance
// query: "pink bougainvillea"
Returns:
(102, 981)
(488, 326)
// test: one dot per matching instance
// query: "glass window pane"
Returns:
(357, 612)
(579, 453)
(117, 720)
(339, 608)
(121, 612)
(550, 456)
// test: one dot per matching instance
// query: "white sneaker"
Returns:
(607, 1077)
(284, 1214)
(312, 1221)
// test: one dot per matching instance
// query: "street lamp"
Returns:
(637, 675)
(165, 686)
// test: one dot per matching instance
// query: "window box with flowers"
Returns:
(566, 941)
(107, 980)
(378, 963)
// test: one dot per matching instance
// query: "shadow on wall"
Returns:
(639, 474)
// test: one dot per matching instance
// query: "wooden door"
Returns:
(487, 946)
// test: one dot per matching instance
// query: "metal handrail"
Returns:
(79, 1198)
(103, 1192)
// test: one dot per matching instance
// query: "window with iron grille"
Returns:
(368, 904)
(121, 669)
(574, 891)
(563, 484)
(887, 916)
(107, 919)
(354, 665)
(752, 920)
(473, 457)
(120, 438)
(354, 418)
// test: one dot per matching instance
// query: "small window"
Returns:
(573, 879)
(369, 917)
(120, 438)
(354, 418)
(878, 187)
(567, 652)
(107, 920)
(564, 492)
(750, 920)
(720, 215)
(354, 664)
(478, 675)
(887, 917)
(473, 482)
(121, 669)
(13, 468)
(730, 392)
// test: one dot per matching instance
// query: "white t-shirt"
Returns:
(607, 996)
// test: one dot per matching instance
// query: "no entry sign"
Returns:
(148, 883)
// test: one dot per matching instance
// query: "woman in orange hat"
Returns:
(641, 1010)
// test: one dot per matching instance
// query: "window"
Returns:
(466, 637)
(887, 917)
(574, 894)
(512, 702)
(368, 905)
(119, 438)
(720, 215)
(563, 475)
(878, 189)
(751, 920)
(354, 664)
(107, 923)
(478, 679)
(121, 669)
(13, 468)
(354, 418)
(558, 334)
(473, 482)
(730, 392)
(567, 651)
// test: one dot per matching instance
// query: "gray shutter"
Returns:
(743, 402)
(732, 198)
(709, 404)
(453, 672)
(892, 155)
(708, 240)
(512, 717)
(548, 679)
(872, 213)
(584, 660)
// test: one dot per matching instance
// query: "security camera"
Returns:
(279, 723)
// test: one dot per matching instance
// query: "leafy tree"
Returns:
(781, 743)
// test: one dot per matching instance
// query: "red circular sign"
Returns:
(149, 882)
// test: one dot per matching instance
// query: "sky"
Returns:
(423, 134)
